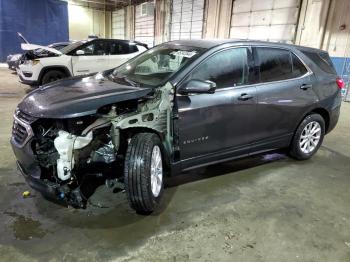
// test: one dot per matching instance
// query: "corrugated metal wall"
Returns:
(186, 19)
(144, 24)
(118, 24)
(273, 20)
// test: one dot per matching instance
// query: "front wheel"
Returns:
(51, 76)
(308, 137)
(143, 172)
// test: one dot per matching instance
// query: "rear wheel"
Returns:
(308, 137)
(52, 75)
(143, 172)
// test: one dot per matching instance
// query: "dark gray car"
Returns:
(178, 106)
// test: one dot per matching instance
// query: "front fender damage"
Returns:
(155, 114)
(101, 140)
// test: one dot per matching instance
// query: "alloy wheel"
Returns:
(310, 137)
(156, 171)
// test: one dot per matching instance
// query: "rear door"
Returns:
(94, 59)
(221, 122)
(284, 95)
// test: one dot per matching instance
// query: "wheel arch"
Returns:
(129, 132)
(46, 69)
(325, 115)
(318, 110)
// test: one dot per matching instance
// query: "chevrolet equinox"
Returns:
(176, 107)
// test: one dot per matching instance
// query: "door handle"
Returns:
(245, 97)
(305, 86)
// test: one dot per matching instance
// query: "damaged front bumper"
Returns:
(50, 190)
(30, 170)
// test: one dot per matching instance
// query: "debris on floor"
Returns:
(26, 194)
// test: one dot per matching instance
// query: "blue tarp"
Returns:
(40, 22)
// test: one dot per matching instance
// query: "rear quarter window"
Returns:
(298, 67)
(322, 60)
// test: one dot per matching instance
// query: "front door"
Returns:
(94, 59)
(223, 121)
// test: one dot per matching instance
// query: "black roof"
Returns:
(210, 43)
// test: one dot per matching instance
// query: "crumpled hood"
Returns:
(77, 96)
(31, 47)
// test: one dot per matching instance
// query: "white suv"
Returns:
(79, 58)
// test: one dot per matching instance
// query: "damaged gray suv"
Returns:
(175, 107)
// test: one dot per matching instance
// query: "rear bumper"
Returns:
(333, 118)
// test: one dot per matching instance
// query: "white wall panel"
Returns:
(144, 25)
(85, 21)
(118, 24)
(186, 19)
(272, 20)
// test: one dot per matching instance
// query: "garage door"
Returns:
(272, 20)
(118, 24)
(186, 19)
(144, 23)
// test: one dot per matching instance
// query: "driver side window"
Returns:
(95, 48)
(228, 68)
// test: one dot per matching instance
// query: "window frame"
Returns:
(257, 64)
(119, 42)
(73, 52)
(251, 66)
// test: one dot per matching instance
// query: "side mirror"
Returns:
(197, 87)
(80, 52)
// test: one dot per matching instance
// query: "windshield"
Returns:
(156, 66)
(71, 47)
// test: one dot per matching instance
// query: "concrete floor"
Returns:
(263, 208)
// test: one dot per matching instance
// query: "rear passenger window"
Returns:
(278, 64)
(122, 48)
(275, 64)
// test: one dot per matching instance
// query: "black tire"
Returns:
(295, 147)
(137, 173)
(51, 76)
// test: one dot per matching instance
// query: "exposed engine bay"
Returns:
(72, 151)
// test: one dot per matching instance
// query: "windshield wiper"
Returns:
(125, 78)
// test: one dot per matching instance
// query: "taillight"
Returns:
(340, 83)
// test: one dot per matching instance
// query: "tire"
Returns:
(306, 140)
(51, 76)
(138, 169)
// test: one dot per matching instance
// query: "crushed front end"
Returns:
(56, 159)
(67, 159)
